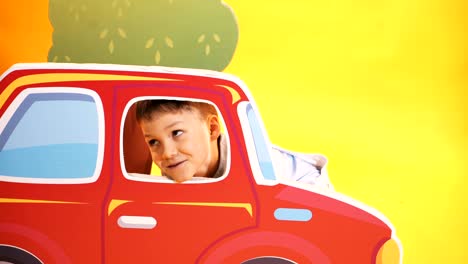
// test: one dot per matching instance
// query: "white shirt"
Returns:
(307, 168)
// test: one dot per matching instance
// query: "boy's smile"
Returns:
(181, 144)
(175, 165)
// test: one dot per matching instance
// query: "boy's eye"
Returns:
(152, 142)
(177, 133)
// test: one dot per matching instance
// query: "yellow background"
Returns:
(377, 86)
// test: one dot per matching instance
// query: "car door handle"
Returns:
(139, 222)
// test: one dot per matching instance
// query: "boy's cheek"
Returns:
(155, 158)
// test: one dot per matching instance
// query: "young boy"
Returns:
(184, 138)
(185, 141)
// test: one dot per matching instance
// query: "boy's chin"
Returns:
(181, 178)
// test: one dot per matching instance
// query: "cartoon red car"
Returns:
(74, 187)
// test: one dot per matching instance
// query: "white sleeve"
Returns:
(307, 168)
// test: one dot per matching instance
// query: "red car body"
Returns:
(111, 216)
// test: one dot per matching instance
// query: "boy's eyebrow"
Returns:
(168, 126)
(173, 124)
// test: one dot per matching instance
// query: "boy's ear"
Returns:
(214, 127)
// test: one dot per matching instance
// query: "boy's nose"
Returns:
(169, 151)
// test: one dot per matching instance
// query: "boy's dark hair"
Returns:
(146, 108)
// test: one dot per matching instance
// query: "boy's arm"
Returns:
(307, 168)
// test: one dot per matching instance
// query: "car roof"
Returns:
(123, 68)
(144, 71)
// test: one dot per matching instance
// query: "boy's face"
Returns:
(182, 144)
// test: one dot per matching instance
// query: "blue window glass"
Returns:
(261, 147)
(51, 136)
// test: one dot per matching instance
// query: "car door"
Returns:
(51, 159)
(151, 219)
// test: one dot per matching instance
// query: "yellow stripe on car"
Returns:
(70, 77)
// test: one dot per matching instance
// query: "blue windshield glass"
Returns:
(261, 147)
(51, 135)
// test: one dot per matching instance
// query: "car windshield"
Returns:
(262, 147)
(51, 141)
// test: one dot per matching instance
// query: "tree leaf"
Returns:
(122, 32)
(149, 43)
(157, 57)
(201, 38)
(111, 46)
(103, 33)
(216, 38)
(169, 42)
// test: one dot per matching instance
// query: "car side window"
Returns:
(171, 138)
(51, 136)
(261, 146)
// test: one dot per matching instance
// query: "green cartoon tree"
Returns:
(181, 33)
